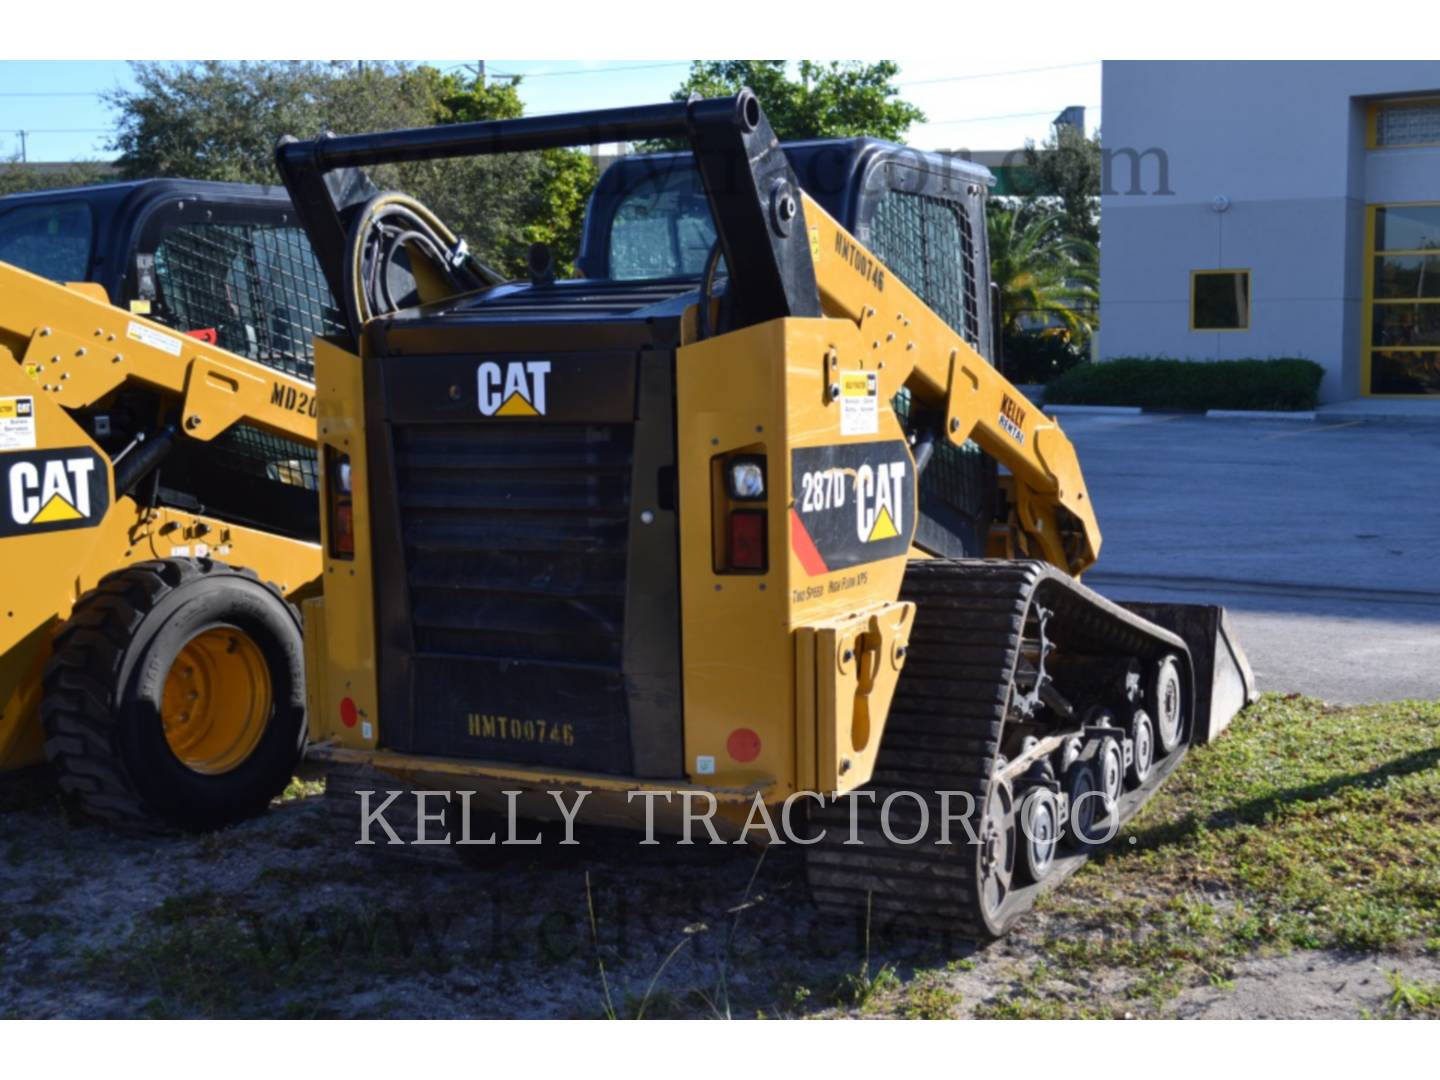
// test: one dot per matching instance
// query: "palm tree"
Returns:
(1041, 272)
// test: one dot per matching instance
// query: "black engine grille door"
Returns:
(504, 592)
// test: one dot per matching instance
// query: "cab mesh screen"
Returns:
(258, 287)
(261, 290)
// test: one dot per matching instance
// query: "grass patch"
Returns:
(1190, 385)
(210, 954)
(301, 788)
(1305, 826)
(1413, 1000)
(931, 1000)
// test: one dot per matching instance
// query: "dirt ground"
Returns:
(282, 916)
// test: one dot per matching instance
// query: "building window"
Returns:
(1405, 123)
(1402, 293)
(1220, 300)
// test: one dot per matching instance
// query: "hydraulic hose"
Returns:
(388, 224)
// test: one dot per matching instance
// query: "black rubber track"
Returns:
(79, 708)
(944, 733)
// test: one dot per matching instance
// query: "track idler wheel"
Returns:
(1040, 828)
(1081, 786)
(1142, 738)
(999, 835)
(1167, 704)
(1110, 770)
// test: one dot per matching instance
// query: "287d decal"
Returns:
(51, 490)
(853, 504)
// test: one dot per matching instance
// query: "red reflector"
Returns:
(348, 713)
(747, 540)
(342, 536)
(209, 335)
(743, 745)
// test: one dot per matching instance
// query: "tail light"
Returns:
(742, 533)
(747, 539)
(340, 508)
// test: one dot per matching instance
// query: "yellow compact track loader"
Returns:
(744, 517)
(142, 466)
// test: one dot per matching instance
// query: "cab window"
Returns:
(662, 228)
(51, 239)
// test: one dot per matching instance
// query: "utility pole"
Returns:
(22, 135)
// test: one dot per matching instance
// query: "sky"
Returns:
(969, 106)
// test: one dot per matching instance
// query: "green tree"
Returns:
(836, 98)
(1043, 274)
(1065, 173)
(220, 121)
(556, 193)
(16, 177)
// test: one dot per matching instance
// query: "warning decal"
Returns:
(154, 338)
(859, 403)
(17, 423)
(853, 504)
(50, 490)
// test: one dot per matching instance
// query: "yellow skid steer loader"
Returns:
(141, 467)
(745, 516)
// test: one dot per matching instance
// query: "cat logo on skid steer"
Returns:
(514, 389)
(50, 490)
(879, 501)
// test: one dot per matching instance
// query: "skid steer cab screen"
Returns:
(245, 276)
(256, 285)
(662, 228)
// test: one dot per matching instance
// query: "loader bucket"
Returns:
(1224, 683)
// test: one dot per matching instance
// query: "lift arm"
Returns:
(1052, 516)
(78, 348)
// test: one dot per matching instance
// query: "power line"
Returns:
(1002, 116)
(585, 71)
(997, 74)
(606, 71)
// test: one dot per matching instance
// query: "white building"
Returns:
(1278, 209)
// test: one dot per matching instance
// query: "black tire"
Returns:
(104, 684)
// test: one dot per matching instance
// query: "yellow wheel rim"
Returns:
(216, 701)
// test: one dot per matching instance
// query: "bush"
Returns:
(1186, 385)
(1039, 356)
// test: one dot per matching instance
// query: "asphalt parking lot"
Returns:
(1322, 538)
